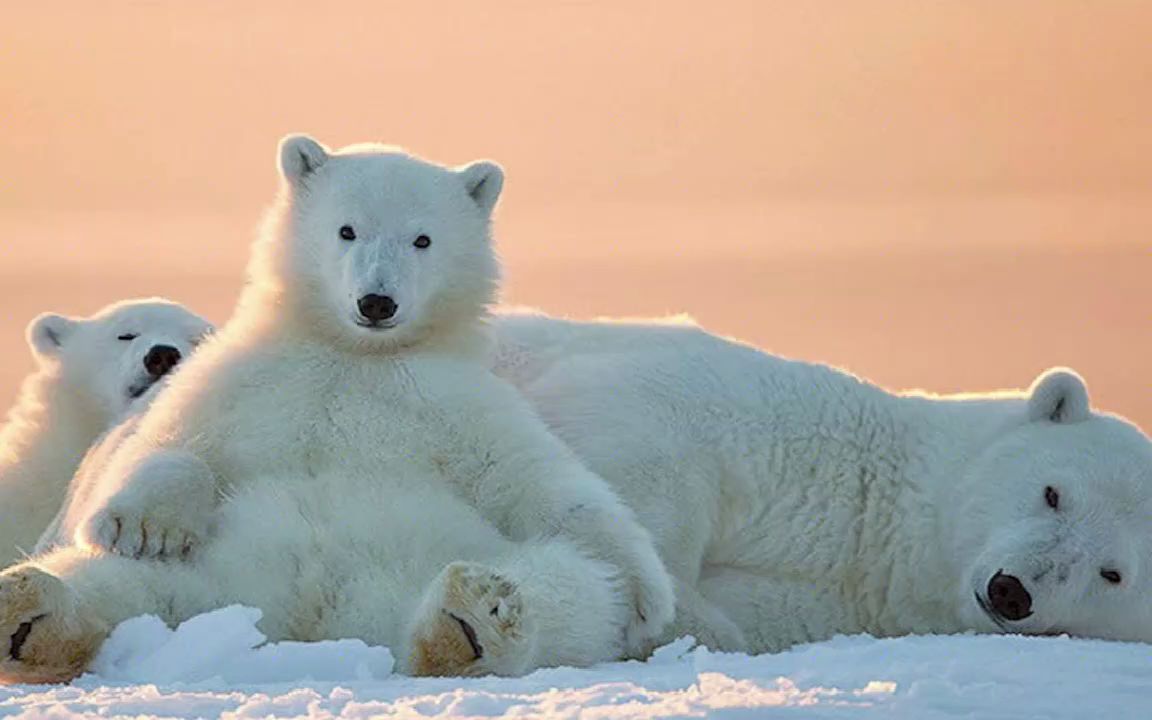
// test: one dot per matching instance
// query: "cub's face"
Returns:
(385, 247)
(115, 357)
(1057, 534)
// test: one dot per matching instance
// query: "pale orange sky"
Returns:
(950, 195)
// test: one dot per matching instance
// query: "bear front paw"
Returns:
(653, 603)
(140, 534)
(163, 511)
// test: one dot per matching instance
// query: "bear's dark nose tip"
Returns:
(161, 359)
(1008, 598)
(376, 307)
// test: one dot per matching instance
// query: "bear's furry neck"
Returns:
(875, 470)
(942, 437)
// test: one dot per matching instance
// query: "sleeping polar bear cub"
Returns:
(792, 501)
(340, 457)
(91, 372)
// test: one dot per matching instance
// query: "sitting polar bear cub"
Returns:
(792, 502)
(91, 373)
(342, 459)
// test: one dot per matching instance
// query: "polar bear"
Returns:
(792, 501)
(340, 456)
(90, 373)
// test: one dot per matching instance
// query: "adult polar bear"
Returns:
(791, 501)
(366, 474)
(90, 374)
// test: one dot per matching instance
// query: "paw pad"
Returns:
(478, 629)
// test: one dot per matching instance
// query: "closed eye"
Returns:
(126, 337)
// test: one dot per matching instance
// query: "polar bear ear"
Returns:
(1059, 395)
(300, 156)
(483, 180)
(47, 333)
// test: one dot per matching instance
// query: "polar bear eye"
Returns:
(1052, 497)
(128, 337)
(347, 233)
(1112, 576)
(422, 242)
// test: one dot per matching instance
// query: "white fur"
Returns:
(792, 501)
(87, 379)
(339, 469)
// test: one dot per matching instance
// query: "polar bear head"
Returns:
(110, 360)
(1055, 524)
(375, 249)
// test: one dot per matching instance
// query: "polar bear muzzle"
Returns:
(376, 309)
(1008, 598)
(160, 360)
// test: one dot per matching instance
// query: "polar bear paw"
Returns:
(653, 598)
(46, 634)
(164, 510)
(138, 533)
(473, 623)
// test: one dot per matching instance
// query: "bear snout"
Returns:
(376, 308)
(160, 360)
(1008, 597)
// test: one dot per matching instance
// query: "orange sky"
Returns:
(941, 194)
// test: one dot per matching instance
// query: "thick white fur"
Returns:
(792, 501)
(339, 469)
(86, 380)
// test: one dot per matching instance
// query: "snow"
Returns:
(225, 645)
(218, 664)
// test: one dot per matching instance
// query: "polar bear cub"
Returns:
(341, 457)
(91, 372)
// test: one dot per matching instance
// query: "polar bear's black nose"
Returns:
(1007, 596)
(376, 307)
(161, 359)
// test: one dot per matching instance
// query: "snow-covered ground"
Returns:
(216, 665)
